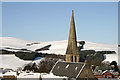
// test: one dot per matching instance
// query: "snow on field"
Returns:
(51, 76)
(29, 75)
(111, 57)
(23, 75)
(12, 62)
(101, 47)
(13, 42)
(10, 74)
(58, 47)
(34, 76)
(19, 44)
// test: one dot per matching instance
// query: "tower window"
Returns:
(75, 59)
(71, 58)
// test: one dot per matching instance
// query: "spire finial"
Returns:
(72, 13)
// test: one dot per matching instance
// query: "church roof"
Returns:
(67, 69)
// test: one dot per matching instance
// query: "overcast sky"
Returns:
(50, 21)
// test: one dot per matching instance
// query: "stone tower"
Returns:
(72, 52)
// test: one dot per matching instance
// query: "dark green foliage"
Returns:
(25, 55)
(34, 67)
(27, 67)
(95, 59)
(115, 65)
(33, 55)
(29, 56)
(106, 52)
(19, 54)
(118, 45)
(81, 44)
(102, 67)
(44, 66)
(91, 56)
(2, 51)
(55, 56)
(83, 54)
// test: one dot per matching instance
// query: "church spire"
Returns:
(72, 43)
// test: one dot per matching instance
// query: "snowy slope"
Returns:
(11, 62)
(101, 47)
(58, 47)
(19, 43)
(112, 57)
(13, 42)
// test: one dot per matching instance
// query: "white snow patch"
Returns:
(12, 62)
(11, 73)
(111, 57)
(29, 75)
(52, 76)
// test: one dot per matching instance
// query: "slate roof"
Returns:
(67, 69)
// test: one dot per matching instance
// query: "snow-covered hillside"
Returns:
(57, 47)
(12, 62)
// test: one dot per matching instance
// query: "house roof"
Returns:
(68, 69)
(102, 73)
(105, 72)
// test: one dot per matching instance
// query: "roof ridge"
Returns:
(80, 70)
